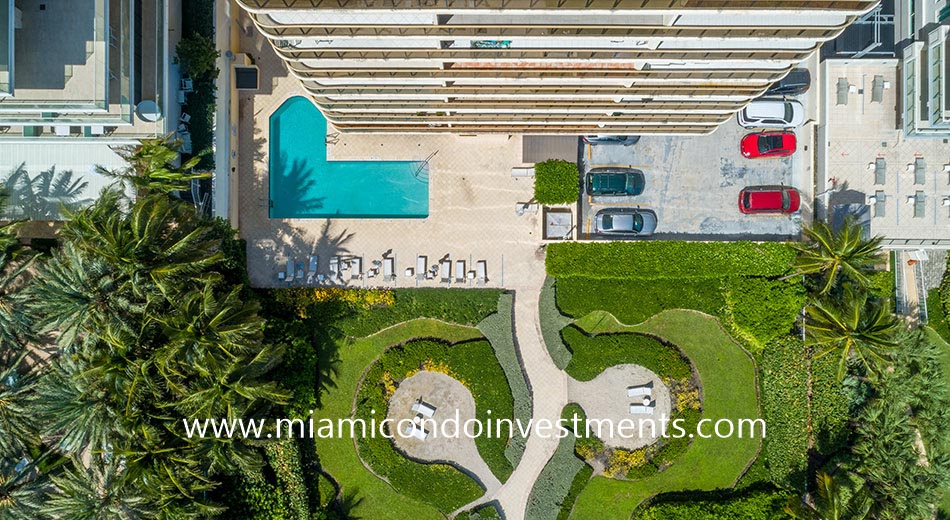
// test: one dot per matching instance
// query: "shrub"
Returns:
(622, 461)
(552, 321)
(485, 512)
(633, 301)
(497, 330)
(284, 458)
(462, 306)
(440, 485)
(299, 369)
(757, 505)
(593, 354)
(555, 482)
(882, 284)
(937, 314)
(556, 182)
(785, 407)
(197, 55)
(829, 407)
(673, 447)
(253, 497)
(760, 310)
(667, 260)
(307, 300)
(580, 482)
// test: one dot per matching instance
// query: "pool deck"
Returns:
(472, 200)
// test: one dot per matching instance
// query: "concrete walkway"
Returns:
(549, 391)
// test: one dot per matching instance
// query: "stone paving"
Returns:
(863, 130)
(604, 398)
(452, 401)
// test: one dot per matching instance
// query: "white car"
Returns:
(772, 113)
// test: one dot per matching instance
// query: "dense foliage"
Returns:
(197, 25)
(593, 354)
(668, 260)
(754, 505)
(471, 363)
(551, 489)
(760, 310)
(556, 182)
(627, 301)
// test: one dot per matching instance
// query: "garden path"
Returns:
(549, 394)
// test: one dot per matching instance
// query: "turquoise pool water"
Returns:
(304, 184)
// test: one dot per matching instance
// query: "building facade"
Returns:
(560, 67)
(924, 33)
(77, 78)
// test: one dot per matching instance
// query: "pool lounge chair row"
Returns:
(444, 270)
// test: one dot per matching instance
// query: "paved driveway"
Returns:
(693, 184)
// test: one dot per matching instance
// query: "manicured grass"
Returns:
(728, 377)
(338, 456)
(594, 354)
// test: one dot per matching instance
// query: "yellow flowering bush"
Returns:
(389, 386)
(621, 461)
(303, 298)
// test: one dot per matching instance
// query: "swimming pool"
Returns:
(304, 184)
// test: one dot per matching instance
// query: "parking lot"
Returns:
(693, 184)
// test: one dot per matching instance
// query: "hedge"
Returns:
(485, 512)
(633, 301)
(462, 306)
(284, 457)
(252, 497)
(757, 505)
(785, 407)
(552, 321)
(667, 259)
(829, 407)
(553, 485)
(937, 314)
(760, 310)
(556, 182)
(497, 328)
(442, 486)
(594, 354)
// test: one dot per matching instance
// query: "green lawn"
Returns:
(728, 377)
(338, 455)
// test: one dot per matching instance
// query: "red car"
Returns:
(769, 199)
(768, 144)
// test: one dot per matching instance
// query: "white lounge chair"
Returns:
(312, 267)
(421, 267)
(482, 270)
(356, 268)
(290, 269)
(459, 271)
(414, 430)
(300, 270)
(423, 408)
(334, 265)
(445, 271)
(637, 391)
(635, 409)
(389, 269)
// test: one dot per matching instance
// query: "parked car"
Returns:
(772, 113)
(769, 199)
(625, 140)
(625, 221)
(795, 83)
(615, 181)
(768, 144)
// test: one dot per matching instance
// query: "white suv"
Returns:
(772, 113)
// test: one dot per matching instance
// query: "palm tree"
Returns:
(18, 429)
(15, 323)
(150, 166)
(155, 245)
(22, 491)
(101, 491)
(832, 503)
(835, 255)
(853, 326)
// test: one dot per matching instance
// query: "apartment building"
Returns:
(77, 77)
(559, 67)
(923, 29)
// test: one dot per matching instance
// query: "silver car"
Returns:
(625, 222)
